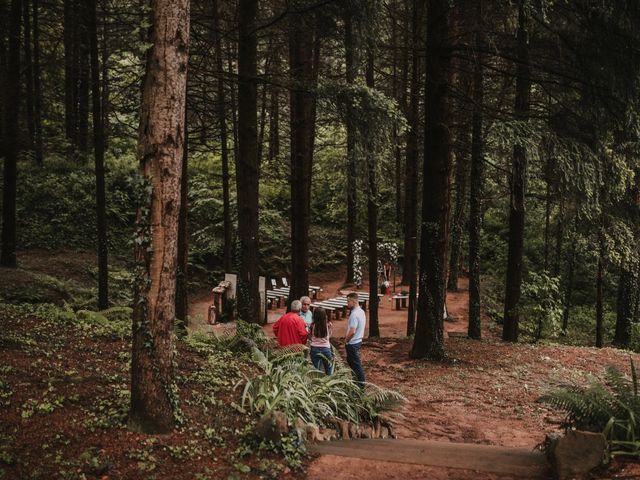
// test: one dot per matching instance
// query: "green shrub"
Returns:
(290, 384)
(611, 406)
(541, 310)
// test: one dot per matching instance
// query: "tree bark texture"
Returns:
(600, 300)
(302, 99)
(182, 297)
(11, 146)
(517, 187)
(429, 338)
(411, 178)
(37, 84)
(160, 151)
(247, 164)
(477, 181)
(70, 71)
(224, 146)
(28, 70)
(458, 220)
(83, 80)
(627, 295)
(98, 147)
(372, 213)
(352, 198)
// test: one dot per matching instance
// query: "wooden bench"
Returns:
(398, 299)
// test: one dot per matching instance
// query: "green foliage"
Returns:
(611, 406)
(290, 384)
(113, 323)
(541, 305)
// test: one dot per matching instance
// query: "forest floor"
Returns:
(64, 385)
(484, 393)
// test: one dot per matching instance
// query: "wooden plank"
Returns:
(519, 462)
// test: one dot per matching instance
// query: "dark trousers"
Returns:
(353, 359)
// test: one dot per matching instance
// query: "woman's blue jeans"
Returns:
(322, 359)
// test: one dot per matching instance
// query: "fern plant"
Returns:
(290, 384)
(611, 407)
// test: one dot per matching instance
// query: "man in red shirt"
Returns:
(290, 328)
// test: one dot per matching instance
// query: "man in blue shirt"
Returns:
(305, 313)
(355, 333)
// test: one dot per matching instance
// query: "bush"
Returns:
(611, 406)
(541, 310)
(292, 385)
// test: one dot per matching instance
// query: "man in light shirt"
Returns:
(355, 333)
(305, 313)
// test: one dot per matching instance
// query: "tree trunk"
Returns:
(4, 27)
(83, 82)
(351, 70)
(224, 148)
(160, 151)
(11, 145)
(477, 181)
(411, 178)
(182, 298)
(429, 339)
(547, 212)
(627, 294)
(599, 300)
(569, 286)
(28, 70)
(517, 186)
(98, 147)
(105, 74)
(462, 175)
(37, 84)
(398, 178)
(301, 49)
(372, 214)
(274, 124)
(70, 79)
(559, 238)
(248, 166)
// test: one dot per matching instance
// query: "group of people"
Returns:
(300, 326)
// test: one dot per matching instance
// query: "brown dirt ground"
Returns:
(484, 393)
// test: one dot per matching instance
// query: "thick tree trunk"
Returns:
(517, 186)
(477, 181)
(398, 177)
(351, 70)
(429, 339)
(227, 251)
(182, 298)
(248, 166)
(372, 214)
(98, 147)
(11, 145)
(160, 151)
(411, 178)
(301, 49)
(37, 84)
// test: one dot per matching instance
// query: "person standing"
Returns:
(353, 339)
(321, 354)
(305, 313)
(290, 328)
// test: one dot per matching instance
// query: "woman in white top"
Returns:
(321, 355)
